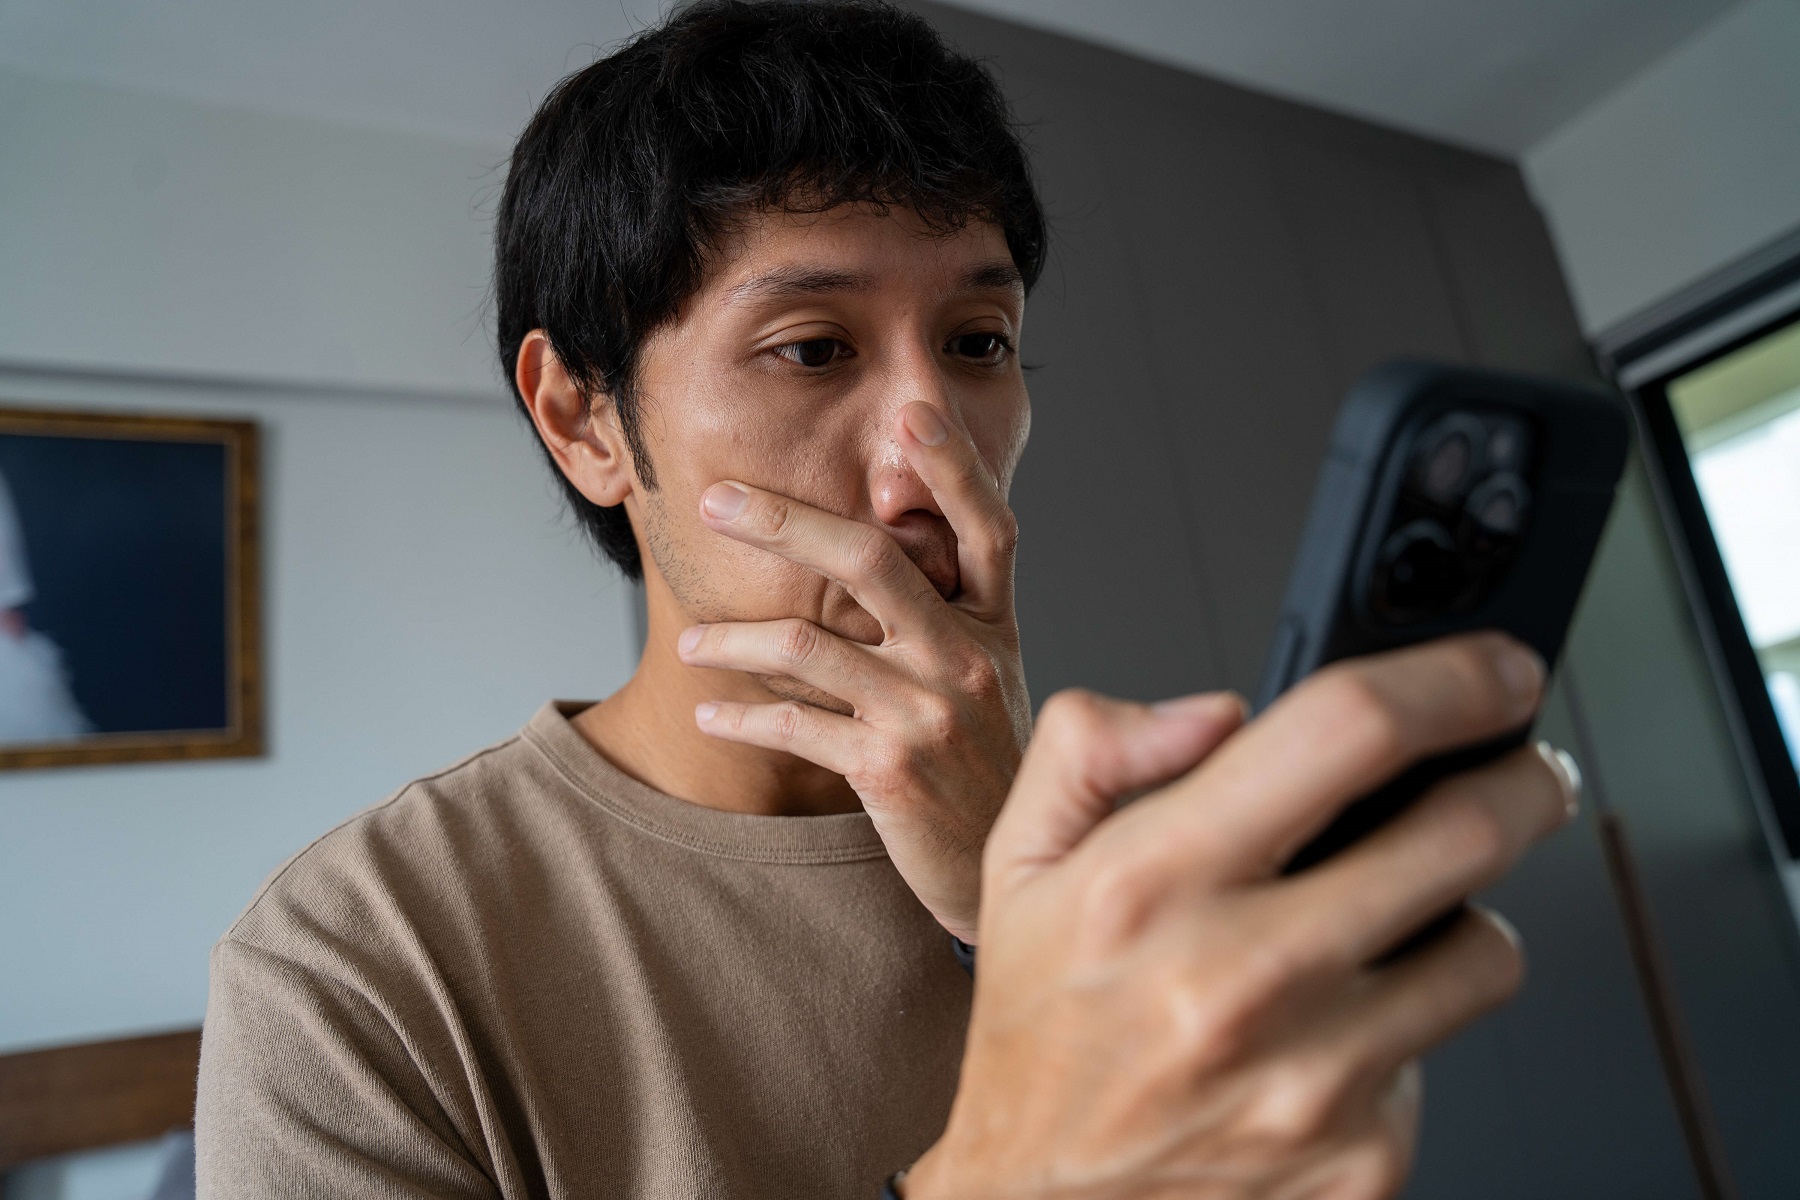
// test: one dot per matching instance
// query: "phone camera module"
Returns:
(1458, 519)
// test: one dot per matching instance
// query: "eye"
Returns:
(986, 347)
(814, 352)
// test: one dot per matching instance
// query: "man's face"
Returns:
(787, 370)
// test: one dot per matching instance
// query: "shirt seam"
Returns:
(353, 818)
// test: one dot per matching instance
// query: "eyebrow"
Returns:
(997, 276)
(786, 283)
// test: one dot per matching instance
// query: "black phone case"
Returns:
(1580, 437)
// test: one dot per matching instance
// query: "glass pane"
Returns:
(1740, 419)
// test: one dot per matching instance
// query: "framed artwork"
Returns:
(129, 589)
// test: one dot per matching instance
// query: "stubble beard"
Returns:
(697, 591)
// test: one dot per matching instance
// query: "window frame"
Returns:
(1702, 325)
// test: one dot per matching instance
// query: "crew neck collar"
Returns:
(834, 838)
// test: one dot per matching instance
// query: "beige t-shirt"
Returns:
(531, 975)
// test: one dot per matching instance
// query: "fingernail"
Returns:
(689, 640)
(923, 423)
(1522, 671)
(724, 501)
(705, 712)
(1568, 773)
(1507, 929)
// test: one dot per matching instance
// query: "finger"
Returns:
(1086, 752)
(987, 533)
(806, 732)
(860, 558)
(1430, 994)
(794, 648)
(1333, 739)
(1461, 837)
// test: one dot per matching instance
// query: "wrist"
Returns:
(924, 1179)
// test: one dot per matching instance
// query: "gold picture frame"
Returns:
(241, 732)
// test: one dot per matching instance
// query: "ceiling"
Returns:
(1494, 74)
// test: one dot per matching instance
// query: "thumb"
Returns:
(1087, 753)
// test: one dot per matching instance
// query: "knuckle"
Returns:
(714, 639)
(797, 643)
(883, 772)
(1115, 905)
(1470, 657)
(1004, 530)
(1275, 961)
(1212, 1027)
(1359, 714)
(772, 517)
(1472, 661)
(1472, 834)
(939, 717)
(978, 676)
(1474, 665)
(787, 720)
(874, 557)
(1070, 717)
(1300, 1100)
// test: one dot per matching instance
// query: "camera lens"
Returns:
(1445, 459)
(1506, 446)
(1446, 466)
(1498, 505)
(1418, 573)
(1495, 517)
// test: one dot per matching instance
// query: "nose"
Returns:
(899, 496)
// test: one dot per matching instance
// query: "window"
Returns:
(1717, 378)
(1739, 418)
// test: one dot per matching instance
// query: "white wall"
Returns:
(1691, 164)
(146, 232)
(424, 593)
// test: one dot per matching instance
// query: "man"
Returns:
(761, 277)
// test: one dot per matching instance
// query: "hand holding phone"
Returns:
(1451, 499)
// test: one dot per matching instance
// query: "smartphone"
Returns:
(1451, 499)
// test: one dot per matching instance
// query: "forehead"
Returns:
(775, 255)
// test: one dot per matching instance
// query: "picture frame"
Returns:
(130, 588)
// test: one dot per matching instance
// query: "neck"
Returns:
(647, 730)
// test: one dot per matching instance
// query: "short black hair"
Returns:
(636, 166)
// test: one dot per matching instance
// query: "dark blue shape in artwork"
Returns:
(127, 542)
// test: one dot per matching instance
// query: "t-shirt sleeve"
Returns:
(306, 1089)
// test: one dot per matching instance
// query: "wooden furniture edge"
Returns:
(93, 1094)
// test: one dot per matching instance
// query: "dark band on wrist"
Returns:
(965, 954)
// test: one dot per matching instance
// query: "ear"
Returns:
(585, 440)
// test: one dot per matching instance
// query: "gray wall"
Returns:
(1225, 264)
